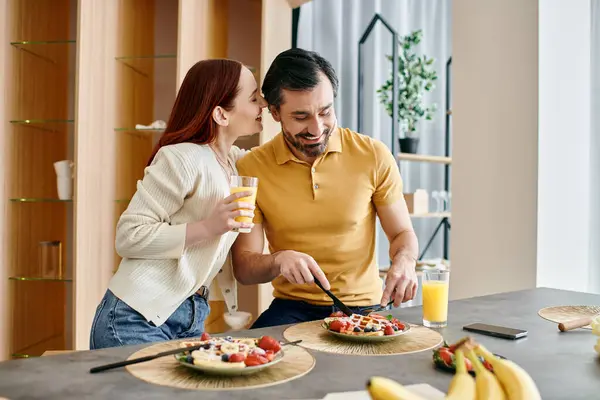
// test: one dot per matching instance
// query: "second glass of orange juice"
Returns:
(435, 298)
(244, 184)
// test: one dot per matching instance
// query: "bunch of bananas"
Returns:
(596, 331)
(508, 381)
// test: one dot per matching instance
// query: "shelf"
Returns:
(48, 125)
(17, 355)
(39, 200)
(134, 130)
(424, 158)
(48, 50)
(432, 215)
(38, 279)
(144, 65)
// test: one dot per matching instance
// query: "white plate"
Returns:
(227, 369)
(371, 339)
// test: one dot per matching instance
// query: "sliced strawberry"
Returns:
(269, 343)
(205, 336)
(237, 357)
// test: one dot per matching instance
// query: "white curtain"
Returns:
(595, 151)
(333, 29)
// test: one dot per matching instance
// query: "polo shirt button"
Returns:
(316, 186)
(233, 307)
(227, 290)
(314, 170)
(221, 270)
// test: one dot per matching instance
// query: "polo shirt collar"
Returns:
(283, 153)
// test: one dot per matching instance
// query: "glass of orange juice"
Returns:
(244, 184)
(435, 297)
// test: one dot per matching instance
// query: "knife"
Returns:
(337, 302)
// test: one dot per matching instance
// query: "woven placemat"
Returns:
(560, 314)
(314, 337)
(166, 371)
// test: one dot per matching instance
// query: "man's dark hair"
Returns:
(296, 69)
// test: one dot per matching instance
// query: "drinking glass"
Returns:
(435, 297)
(244, 184)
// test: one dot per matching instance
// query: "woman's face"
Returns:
(246, 116)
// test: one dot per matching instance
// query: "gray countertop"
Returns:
(564, 365)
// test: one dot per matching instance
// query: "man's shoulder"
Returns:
(361, 142)
(259, 157)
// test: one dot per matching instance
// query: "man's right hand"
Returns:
(299, 268)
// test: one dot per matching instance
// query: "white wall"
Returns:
(495, 158)
(522, 157)
(564, 145)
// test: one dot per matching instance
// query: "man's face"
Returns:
(307, 119)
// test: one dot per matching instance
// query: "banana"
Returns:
(381, 388)
(230, 348)
(462, 385)
(517, 383)
(486, 384)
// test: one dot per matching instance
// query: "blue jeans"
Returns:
(283, 312)
(116, 324)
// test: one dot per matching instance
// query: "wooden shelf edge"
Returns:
(424, 158)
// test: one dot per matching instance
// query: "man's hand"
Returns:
(400, 282)
(299, 268)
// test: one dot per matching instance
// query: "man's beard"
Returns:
(309, 150)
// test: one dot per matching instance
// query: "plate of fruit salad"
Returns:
(443, 358)
(231, 356)
(364, 328)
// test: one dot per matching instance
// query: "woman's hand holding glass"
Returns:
(222, 219)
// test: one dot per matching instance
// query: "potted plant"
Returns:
(416, 76)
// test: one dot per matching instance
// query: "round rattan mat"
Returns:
(560, 314)
(166, 371)
(314, 337)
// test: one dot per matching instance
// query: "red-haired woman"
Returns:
(176, 233)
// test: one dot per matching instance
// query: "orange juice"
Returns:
(247, 199)
(435, 301)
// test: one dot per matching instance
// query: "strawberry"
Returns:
(255, 359)
(388, 330)
(270, 355)
(269, 343)
(237, 357)
(205, 336)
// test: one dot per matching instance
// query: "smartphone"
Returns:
(496, 331)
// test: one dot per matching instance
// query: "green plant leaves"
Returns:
(416, 75)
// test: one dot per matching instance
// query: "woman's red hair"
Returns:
(208, 84)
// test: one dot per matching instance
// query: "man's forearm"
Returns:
(251, 268)
(404, 245)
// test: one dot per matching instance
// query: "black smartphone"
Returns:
(496, 331)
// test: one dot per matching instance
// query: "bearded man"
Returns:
(320, 190)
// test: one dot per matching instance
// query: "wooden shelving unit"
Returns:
(41, 118)
(76, 77)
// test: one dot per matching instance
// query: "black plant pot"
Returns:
(409, 145)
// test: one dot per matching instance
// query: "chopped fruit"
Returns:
(270, 355)
(337, 314)
(388, 330)
(356, 329)
(225, 357)
(255, 359)
(237, 357)
(205, 336)
(269, 343)
(336, 325)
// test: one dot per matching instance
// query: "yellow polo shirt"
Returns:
(326, 210)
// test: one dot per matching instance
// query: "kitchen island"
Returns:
(564, 365)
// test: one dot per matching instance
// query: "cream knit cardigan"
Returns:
(157, 273)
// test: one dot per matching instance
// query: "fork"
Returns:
(368, 311)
